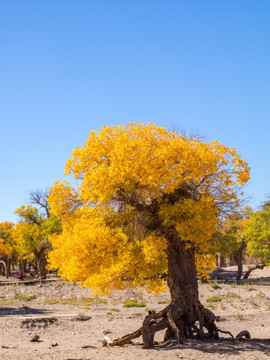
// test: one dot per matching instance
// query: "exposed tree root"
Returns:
(242, 334)
(174, 327)
(178, 325)
(226, 332)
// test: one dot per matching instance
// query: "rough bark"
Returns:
(42, 262)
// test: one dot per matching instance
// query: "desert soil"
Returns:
(71, 324)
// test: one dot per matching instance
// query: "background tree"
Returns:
(31, 235)
(7, 252)
(146, 202)
(40, 198)
(230, 239)
(257, 233)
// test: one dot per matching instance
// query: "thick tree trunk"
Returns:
(186, 307)
(42, 262)
(239, 258)
(181, 271)
(185, 316)
(222, 261)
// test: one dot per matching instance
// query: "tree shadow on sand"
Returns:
(22, 310)
(220, 346)
(229, 275)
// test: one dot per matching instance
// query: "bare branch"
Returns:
(40, 198)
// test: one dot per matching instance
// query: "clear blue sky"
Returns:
(68, 67)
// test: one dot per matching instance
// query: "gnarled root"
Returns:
(178, 324)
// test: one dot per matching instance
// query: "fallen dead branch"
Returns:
(9, 346)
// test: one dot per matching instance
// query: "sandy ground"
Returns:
(67, 319)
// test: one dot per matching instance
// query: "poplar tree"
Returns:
(143, 201)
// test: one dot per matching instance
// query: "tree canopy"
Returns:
(131, 186)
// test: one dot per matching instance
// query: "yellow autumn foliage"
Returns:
(6, 239)
(133, 183)
(5, 250)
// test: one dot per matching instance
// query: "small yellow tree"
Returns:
(257, 234)
(145, 202)
(6, 250)
(6, 228)
(30, 235)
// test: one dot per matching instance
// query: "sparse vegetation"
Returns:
(92, 301)
(163, 302)
(239, 316)
(133, 303)
(69, 301)
(5, 302)
(84, 301)
(233, 295)
(214, 286)
(21, 297)
(51, 302)
(231, 303)
(213, 299)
